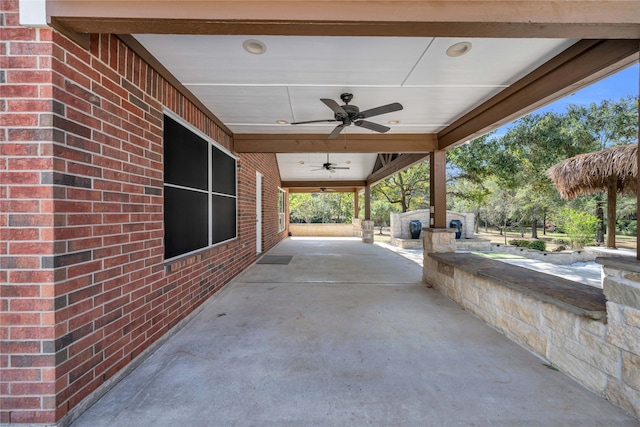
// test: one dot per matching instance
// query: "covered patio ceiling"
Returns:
(520, 58)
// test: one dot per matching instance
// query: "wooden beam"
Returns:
(321, 190)
(583, 63)
(438, 189)
(398, 164)
(328, 184)
(431, 18)
(318, 143)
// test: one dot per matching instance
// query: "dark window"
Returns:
(198, 211)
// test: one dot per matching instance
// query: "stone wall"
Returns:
(399, 222)
(321, 230)
(603, 357)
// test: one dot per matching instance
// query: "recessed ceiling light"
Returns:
(281, 122)
(255, 47)
(348, 162)
(393, 122)
(458, 49)
(301, 162)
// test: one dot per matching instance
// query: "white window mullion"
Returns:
(210, 195)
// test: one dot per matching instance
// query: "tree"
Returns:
(381, 212)
(408, 188)
(579, 226)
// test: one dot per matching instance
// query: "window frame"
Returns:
(282, 216)
(211, 143)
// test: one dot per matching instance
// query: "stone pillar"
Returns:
(357, 227)
(435, 240)
(621, 285)
(367, 231)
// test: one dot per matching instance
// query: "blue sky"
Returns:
(624, 83)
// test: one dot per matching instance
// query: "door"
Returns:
(258, 212)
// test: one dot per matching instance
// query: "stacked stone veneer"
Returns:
(399, 222)
(604, 357)
(84, 287)
(321, 230)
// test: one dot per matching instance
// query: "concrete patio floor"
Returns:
(344, 335)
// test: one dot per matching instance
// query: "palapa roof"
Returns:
(588, 173)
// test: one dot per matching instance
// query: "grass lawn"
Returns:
(498, 255)
(624, 242)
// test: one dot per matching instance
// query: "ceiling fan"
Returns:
(351, 114)
(331, 167)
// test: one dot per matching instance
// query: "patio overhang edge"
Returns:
(541, 19)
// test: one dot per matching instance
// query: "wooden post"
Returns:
(356, 208)
(611, 211)
(367, 203)
(438, 189)
(638, 186)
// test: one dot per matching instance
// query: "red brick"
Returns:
(31, 304)
(22, 179)
(31, 333)
(29, 248)
(28, 76)
(28, 276)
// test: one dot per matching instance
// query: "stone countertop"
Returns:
(572, 296)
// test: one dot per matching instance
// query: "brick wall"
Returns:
(84, 285)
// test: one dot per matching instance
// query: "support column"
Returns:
(438, 189)
(621, 287)
(356, 207)
(367, 202)
(367, 224)
(612, 192)
(435, 241)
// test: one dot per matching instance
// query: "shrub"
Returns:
(579, 226)
(521, 243)
(539, 245)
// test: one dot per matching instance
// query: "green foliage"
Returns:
(579, 226)
(503, 178)
(521, 243)
(628, 227)
(409, 189)
(321, 207)
(381, 212)
(538, 245)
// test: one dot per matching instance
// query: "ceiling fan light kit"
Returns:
(351, 114)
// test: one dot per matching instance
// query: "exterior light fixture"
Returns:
(254, 47)
(393, 122)
(458, 49)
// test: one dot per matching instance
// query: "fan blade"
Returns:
(336, 131)
(380, 110)
(372, 126)
(313, 170)
(334, 106)
(313, 121)
(339, 167)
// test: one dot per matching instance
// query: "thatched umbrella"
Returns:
(613, 170)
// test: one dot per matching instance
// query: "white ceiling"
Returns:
(250, 93)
